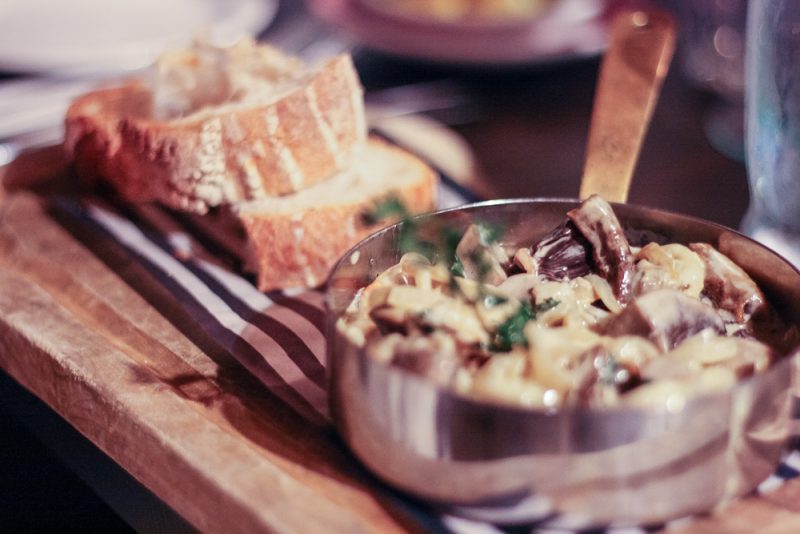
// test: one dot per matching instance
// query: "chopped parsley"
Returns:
(508, 334)
(444, 249)
(390, 208)
(490, 233)
(490, 301)
(450, 238)
(457, 269)
(512, 332)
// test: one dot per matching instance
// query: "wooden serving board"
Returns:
(100, 339)
(103, 344)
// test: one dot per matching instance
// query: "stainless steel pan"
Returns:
(631, 465)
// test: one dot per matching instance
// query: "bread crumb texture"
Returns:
(213, 126)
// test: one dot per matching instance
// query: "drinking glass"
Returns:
(712, 50)
(773, 124)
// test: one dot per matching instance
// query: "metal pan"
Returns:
(512, 464)
(633, 465)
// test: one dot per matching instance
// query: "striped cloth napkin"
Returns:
(277, 336)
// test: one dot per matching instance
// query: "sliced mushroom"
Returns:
(671, 266)
(611, 252)
(673, 394)
(742, 356)
(556, 352)
(418, 271)
(727, 285)
(434, 356)
(665, 316)
(518, 286)
(574, 303)
(481, 261)
(409, 309)
(563, 254)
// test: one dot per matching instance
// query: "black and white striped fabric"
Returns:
(277, 336)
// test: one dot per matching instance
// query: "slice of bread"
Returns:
(220, 125)
(295, 240)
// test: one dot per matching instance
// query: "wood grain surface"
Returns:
(101, 341)
(102, 344)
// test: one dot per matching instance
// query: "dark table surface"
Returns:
(527, 128)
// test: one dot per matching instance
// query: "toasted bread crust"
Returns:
(208, 158)
(299, 249)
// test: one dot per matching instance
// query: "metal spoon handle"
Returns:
(631, 75)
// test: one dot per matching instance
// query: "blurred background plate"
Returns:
(560, 30)
(101, 36)
(470, 13)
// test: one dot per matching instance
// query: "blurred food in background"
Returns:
(473, 32)
(484, 11)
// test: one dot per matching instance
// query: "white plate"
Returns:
(569, 29)
(77, 36)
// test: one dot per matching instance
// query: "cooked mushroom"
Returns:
(668, 266)
(556, 352)
(579, 318)
(727, 285)
(433, 356)
(611, 252)
(481, 260)
(563, 254)
(740, 355)
(409, 308)
(665, 316)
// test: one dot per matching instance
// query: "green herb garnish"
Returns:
(408, 239)
(390, 208)
(457, 269)
(490, 301)
(548, 304)
(409, 242)
(511, 332)
(450, 238)
(490, 233)
(443, 247)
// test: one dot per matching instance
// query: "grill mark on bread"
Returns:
(234, 133)
(298, 233)
(346, 119)
(251, 180)
(286, 161)
(245, 161)
(328, 135)
(210, 174)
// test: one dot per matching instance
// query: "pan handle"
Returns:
(631, 75)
